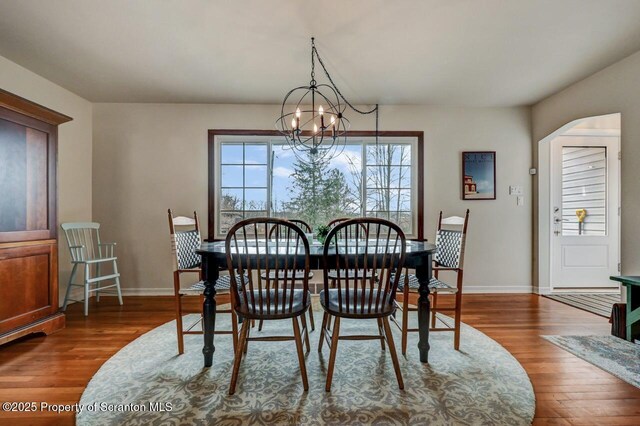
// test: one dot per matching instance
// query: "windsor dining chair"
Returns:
(256, 298)
(364, 284)
(304, 226)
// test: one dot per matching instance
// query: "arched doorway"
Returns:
(578, 209)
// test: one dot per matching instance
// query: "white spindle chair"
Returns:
(88, 250)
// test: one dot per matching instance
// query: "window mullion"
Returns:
(363, 184)
(269, 176)
(244, 186)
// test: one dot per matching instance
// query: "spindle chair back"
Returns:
(304, 226)
(360, 257)
(87, 250)
(273, 255)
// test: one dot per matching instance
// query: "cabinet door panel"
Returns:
(27, 178)
(13, 176)
(37, 168)
(25, 276)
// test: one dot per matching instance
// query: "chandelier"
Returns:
(312, 118)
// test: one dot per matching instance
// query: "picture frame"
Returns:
(478, 175)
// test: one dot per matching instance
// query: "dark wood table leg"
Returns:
(209, 309)
(423, 273)
(633, 312)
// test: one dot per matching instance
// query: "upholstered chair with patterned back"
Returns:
(449, 256)
(185, 240)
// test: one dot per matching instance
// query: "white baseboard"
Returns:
(479, 289)
(161, 291)
(520, 289)
(542, 291)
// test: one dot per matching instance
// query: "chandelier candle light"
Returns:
(315, 113)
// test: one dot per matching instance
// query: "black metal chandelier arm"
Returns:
(359, 111)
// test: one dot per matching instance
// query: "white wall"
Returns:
(74, 147)
(614, 89)
(150, 157)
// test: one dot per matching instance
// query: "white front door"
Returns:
(585, 218)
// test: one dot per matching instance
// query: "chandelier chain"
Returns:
(324, 68)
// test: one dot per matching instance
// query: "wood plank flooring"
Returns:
(569, 391)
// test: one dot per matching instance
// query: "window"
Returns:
(253, 176)
(244, 187)
(584, 190)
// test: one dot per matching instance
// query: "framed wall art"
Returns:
(479, 175)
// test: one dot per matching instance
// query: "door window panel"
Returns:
(584, 191)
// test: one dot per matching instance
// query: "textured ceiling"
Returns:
(445, 52)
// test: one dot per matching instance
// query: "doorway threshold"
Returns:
(598, 303)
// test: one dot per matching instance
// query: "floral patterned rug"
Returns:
(146, 383)
(612, 354)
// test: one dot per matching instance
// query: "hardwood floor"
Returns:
(568, 390)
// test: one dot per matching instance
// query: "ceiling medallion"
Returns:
(312, 118)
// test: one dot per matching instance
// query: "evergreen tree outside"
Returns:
(320, 193)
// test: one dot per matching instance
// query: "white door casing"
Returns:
(585, 175)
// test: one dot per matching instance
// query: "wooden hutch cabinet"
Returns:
(28, 222)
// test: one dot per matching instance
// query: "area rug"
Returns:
(146, 383)
(596, 303)
(612, 354)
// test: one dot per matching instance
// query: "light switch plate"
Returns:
(520, 200)
(515, 190)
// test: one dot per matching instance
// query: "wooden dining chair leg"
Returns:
(405, 319)
(434, 306)
(392, 351)
(333, 285)
(458, 312)
(306, 332)
(244, 331)
(311, 320)
(246, 341)
(178, 302)
(179, 325)
(260, 324)
(332, 355)
(234, 330)
(298, 339)
(381, 332)
(322, 330)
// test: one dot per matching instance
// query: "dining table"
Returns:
(419, 256)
